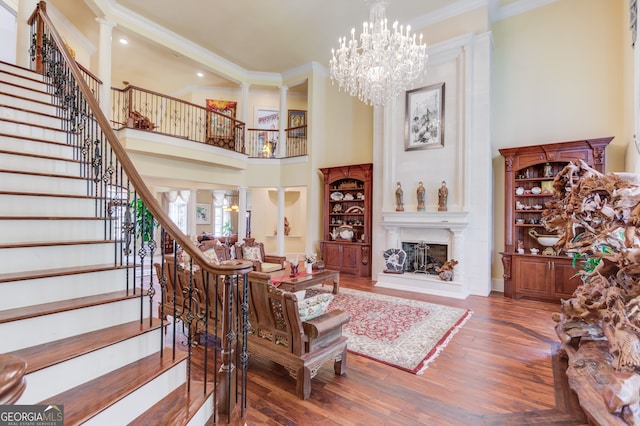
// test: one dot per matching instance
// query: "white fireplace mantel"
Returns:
(455, 221)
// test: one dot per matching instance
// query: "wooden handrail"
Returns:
(138, 183)
(89, 73)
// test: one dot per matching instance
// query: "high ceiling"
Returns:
(272, 36)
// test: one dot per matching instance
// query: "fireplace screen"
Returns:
(424, 258)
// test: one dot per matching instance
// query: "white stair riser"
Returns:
(36, 205)
(27, 104)
(36, 147)
(24, 92)
(46, 383)
(25, 130)
(27, 231)
(26, 82)
(38, 330)
(39, 165)
(16, 182)
(20, 259)
(136, 403)
(62, 287)
(20, 71)
(205, 413)
(30, 117)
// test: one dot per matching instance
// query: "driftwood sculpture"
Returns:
(445, 272)
(598, 219)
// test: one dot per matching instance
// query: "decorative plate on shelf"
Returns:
(536, 190)
(348, 197)
(519, 190)
(355, 209)
(337, 196)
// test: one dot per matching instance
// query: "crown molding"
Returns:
(518, 7)
(458, 8)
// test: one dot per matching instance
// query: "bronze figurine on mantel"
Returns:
(399, 195)
(420, 194)
(443, 194)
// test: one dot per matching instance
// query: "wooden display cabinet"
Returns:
(346, 245)
(529, 173)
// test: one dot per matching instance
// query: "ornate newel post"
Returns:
(234, 277)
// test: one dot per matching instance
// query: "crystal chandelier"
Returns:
(383, 64)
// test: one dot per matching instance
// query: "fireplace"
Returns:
(443, 234)
(423, 257)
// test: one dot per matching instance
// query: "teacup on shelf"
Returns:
(534, 251)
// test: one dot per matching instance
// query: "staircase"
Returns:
(69, 305)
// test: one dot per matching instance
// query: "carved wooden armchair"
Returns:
(254, 251)
(278, 333)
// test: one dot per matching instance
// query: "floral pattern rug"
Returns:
(403, 333)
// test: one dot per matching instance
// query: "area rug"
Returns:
(406, 334)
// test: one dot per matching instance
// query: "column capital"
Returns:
(106, 22)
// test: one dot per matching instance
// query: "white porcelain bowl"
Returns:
(548, 240)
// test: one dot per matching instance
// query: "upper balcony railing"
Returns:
(143, 109)
(139, 108)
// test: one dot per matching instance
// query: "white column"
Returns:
(104, 64)
(282, 136)
(242, 212)
(191, 213)
(280, 223)
(23, 32)
(457, 253)
(244, 102)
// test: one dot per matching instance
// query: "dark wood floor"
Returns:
(500, 369)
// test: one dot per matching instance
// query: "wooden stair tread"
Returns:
(33, 112)
(54, 243)
(46, 273)
(51, 218)
(45, 157)
(26, 87)
(13, 95)
(32, 139)
(84, 401)
(64, 305)
(26, 123)
(55, 175)
(51, 353)
(177, 408)
(46, 194)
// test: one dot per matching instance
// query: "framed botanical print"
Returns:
(203, 214)
(424, 118)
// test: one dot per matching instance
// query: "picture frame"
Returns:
(203, 214)
(219, 126)
(297, 118)
(424, 118)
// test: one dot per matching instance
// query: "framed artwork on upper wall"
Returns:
(203, 214)
(297, 121)
(424, 118)
(219, 126)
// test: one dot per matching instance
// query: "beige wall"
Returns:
(558, 75)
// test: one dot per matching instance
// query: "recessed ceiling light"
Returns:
(199, 74)
(123, 41)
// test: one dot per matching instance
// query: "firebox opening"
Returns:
(424, 258)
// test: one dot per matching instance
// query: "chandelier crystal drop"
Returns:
(382, 64)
